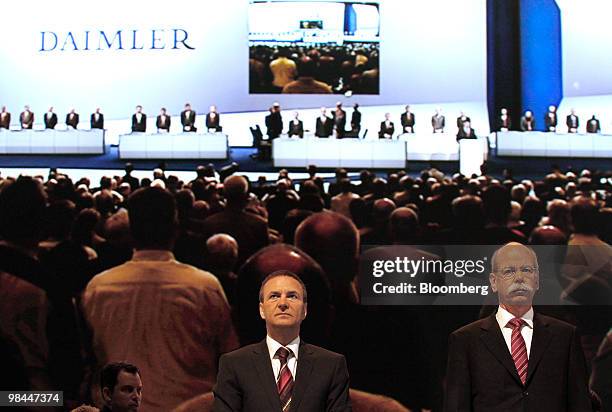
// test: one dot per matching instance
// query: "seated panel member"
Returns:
(324, 125)
(516, 359)
(188, 118)
(466, 132)
(5, 118)
(504, 120)
(50, 119)
(213, 119)
(26, 118)
(163, 121)
(296, 126)
(72, 119)
(528, 122)
(407, 120)
(139, 120)
(438, 121)
(282, 372)
(550, 119)
(593, 125)
(387, 128)
(572, 122)
(97, 119)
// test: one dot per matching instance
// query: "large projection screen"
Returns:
(431, 51)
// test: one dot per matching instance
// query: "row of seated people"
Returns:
(336, 125)
(182, 263)
(139, 119)
(528, 122)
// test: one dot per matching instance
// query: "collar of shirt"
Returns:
(503, 317)
(150, 254)
(273, 346)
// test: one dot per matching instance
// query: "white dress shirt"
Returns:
(293, 347)
(503, 317)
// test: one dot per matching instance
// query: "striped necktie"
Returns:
(284, 382)
(518, 348)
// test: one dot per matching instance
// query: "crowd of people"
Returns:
(528, 122)
(314, 69)
(166, 274)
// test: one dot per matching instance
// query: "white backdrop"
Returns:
(431, 51)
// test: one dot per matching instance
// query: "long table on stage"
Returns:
(294, 152)
(374, 153)
(541, 144)
(50, 141)
(173, 146)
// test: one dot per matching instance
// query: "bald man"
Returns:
(333, 241)
(516, 360)
(221, 257)
(249, 231)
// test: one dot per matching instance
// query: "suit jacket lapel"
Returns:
(266, 375)
(302, 375)
(494, 341)
(539, 343)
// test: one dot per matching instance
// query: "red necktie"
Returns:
(518, 348)
(285, 380)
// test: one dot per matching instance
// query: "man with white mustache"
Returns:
(516, 360)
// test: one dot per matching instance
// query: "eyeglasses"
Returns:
(509, 272)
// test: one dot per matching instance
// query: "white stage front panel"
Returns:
(541, 144)
(173, 146)
(49, 141)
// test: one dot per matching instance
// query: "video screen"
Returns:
(314, 47)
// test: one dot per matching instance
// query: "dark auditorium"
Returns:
(306, 206)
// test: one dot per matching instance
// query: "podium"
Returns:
(472, 154)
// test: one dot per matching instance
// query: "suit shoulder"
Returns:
(557, 324)
(472, 328)
(322, 352)
(241, 353)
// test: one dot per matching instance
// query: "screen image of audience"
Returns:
(321, 69)
(166, 274)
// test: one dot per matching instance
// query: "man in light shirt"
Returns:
(282, 372)
(516, 360)
(50, 119)
(139, 120)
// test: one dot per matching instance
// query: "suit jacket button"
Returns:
(525, 393)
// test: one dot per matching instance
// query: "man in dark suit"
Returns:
(296, 126)
(504, 120)
(5, 118)
(274, 122)
(213, 119)
(407, 119)
(572, 122)
(324, 125)
(356, 120)
(438, 121)
(188, 117)
(461, 120)
(593, 125)
(386, 128)
(72, 119)
(139, 120)
(26, 118)
(163, 121)
(282, 373)
(550, 119)
(339, 118)
(50, 119)
(466, 132)
(516, 360)
(97, 119)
